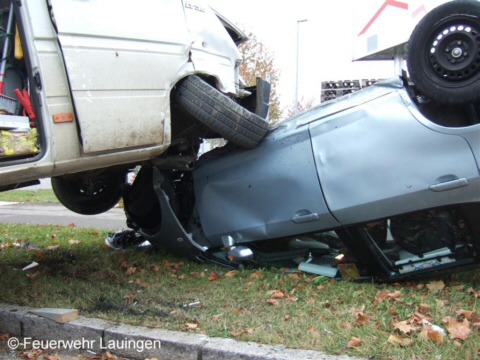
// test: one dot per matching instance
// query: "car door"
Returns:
(377, 160)
(121, 58)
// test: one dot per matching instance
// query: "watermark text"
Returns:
(139, 345)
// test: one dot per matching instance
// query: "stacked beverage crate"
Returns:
(334, 89)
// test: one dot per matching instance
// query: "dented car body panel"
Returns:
(365, 162)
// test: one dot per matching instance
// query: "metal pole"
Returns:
(296, 72)
(398, 64)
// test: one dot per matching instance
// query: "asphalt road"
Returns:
(113, 219)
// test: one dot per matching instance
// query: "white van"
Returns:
(92, 88)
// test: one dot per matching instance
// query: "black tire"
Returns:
(87, 199)
(220, 113)
(444, 53)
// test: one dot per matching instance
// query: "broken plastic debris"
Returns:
(29, 246)
(31, 266)
(123, 239)
(191, 304)
(435, 328)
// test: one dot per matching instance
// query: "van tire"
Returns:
(220, 113)
(86, 201)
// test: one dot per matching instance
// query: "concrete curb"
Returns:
(127, 341)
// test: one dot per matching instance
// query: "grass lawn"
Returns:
(274, 306)
(30, 196)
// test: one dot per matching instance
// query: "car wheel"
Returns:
(220, 113)
(86, 198)
(444, 53)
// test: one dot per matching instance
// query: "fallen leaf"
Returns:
(131, 270)
(191, 326)
(105, 247)
(286, 318)
(447, 319)
(475, 293)
(402, 341)
(441, 303)
(294, 277)
(238, 312)
(476, 322)
(51, 357)
(361, 319)
(354, 342)
(466, 314)
(428, 334)
(459, 287)
(108, 356)
(155, 268)
(213, 276)
(31, 354)
(53, 247)
(256, 274)
(272, 302)
(404, 327)
(380, 297)
(436, 285)
(74, 242)
(345, 325)
(459, 330)
(72, 225)
(38, 254)
(230, 273)
(290, 298)
(436, 337)
(310, 328)
(417, 318)
(424, 306)
(236, 334)
(34, 275)
(4, 336)
(216, 317)
(278, 295)
(394, 296)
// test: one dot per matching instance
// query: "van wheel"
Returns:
(444, 53)
(86, 197)
(220, 113)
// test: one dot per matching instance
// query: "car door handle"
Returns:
(449, 185)
(303, 218)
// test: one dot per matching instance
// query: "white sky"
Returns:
(326, 40)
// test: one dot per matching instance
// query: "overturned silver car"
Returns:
(365, 185)
(382, 183)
